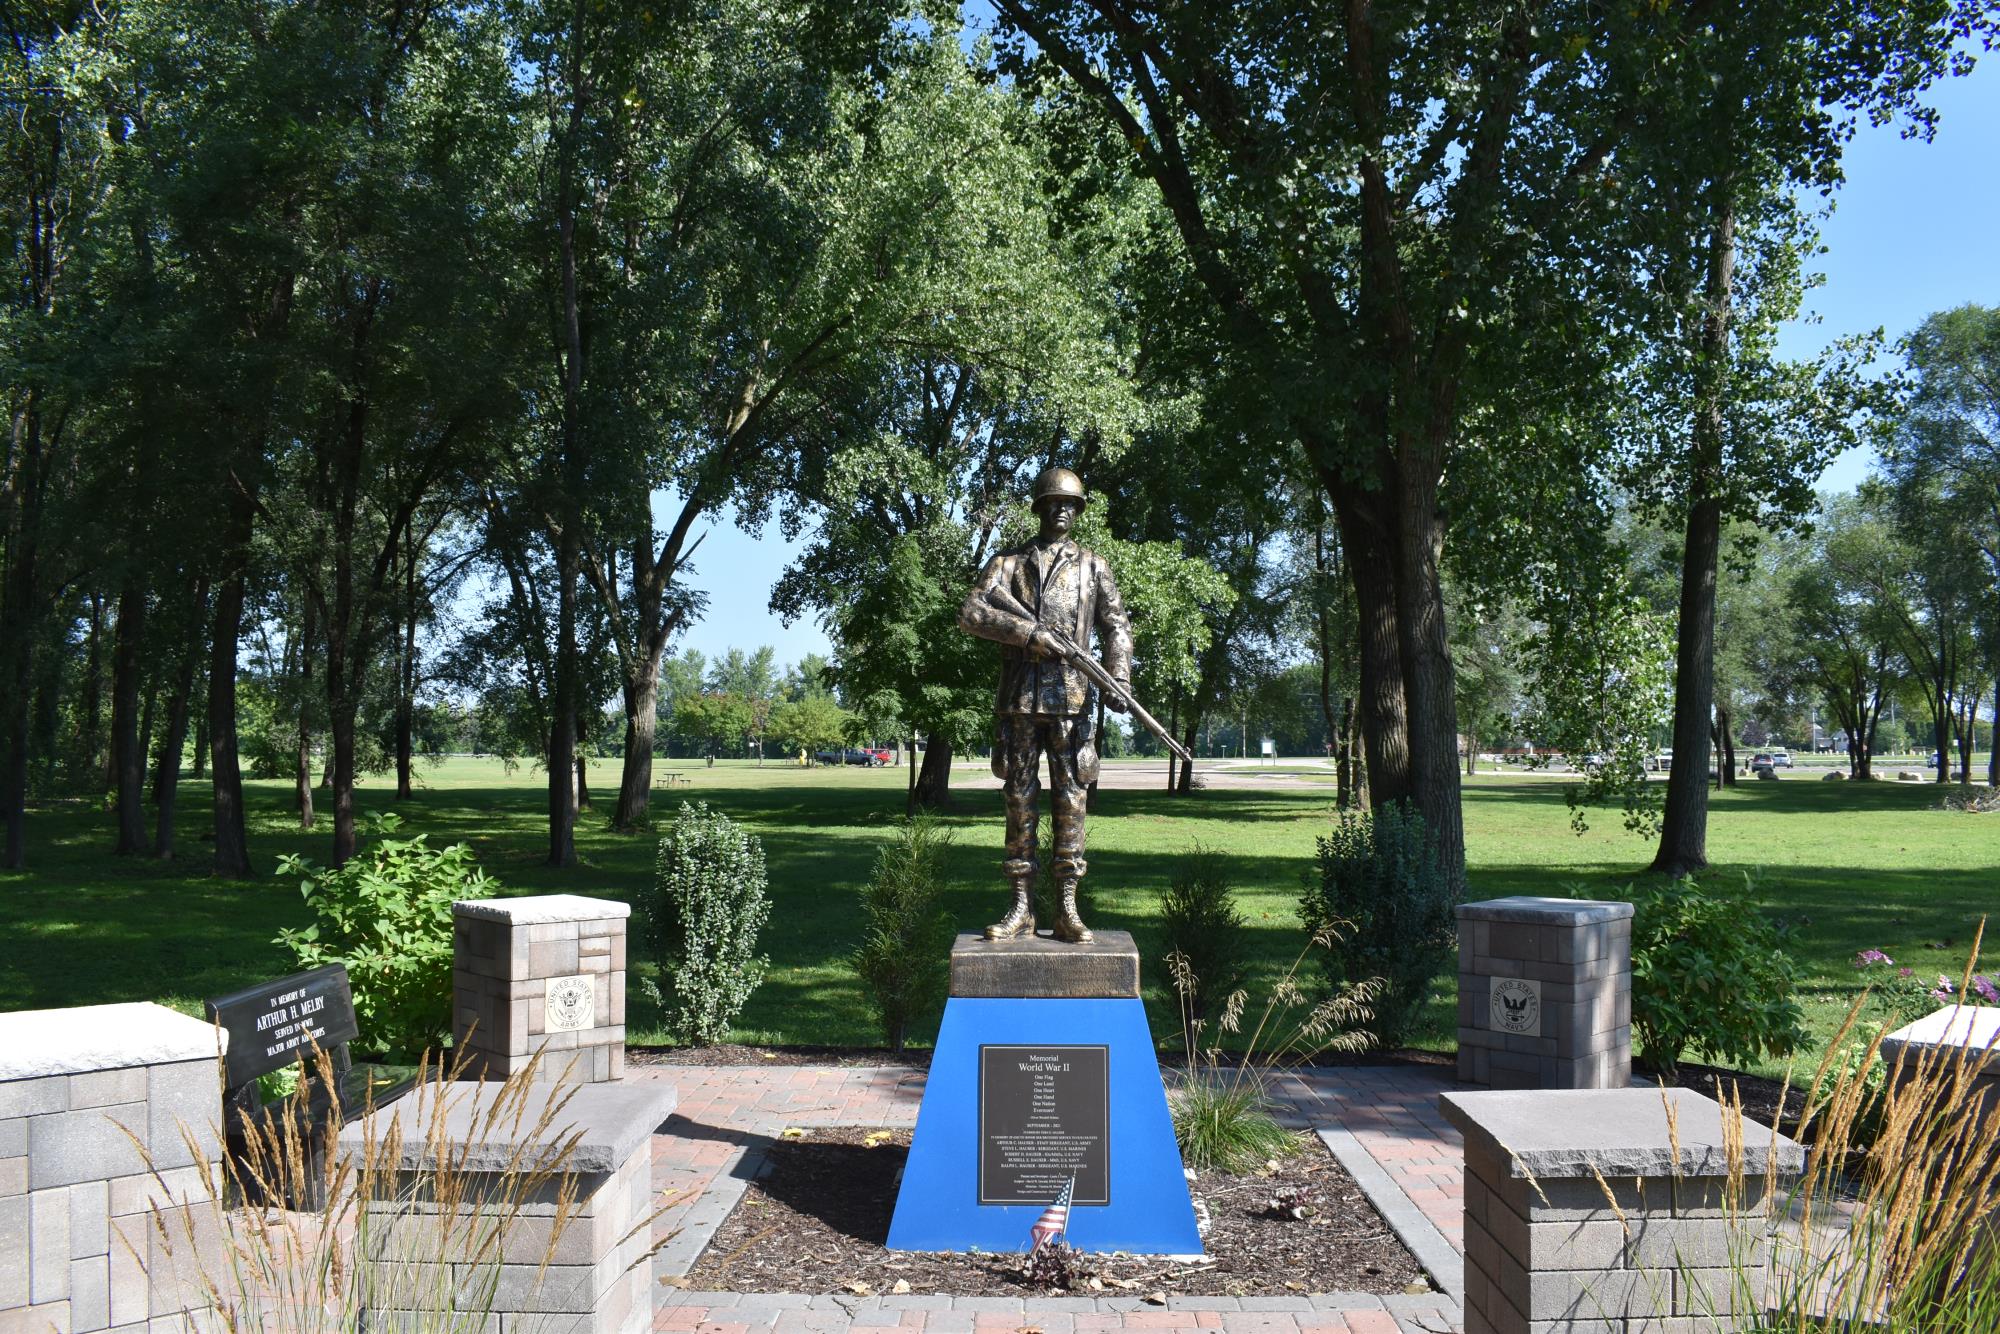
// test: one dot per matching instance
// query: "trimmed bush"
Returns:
(1201, 923)
(1711, 973)
(905, 957)
(707, 907)
(1385, 908)
(386, 915)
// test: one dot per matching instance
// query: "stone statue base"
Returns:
(1107, 968)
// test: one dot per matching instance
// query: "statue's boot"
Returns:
(1069, 927)
(1020, 919)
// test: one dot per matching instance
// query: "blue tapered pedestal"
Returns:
(1131, 1193)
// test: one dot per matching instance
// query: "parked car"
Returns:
(864, 758)
(1664, 761)
(1762, 761)
(827, 756)
(1781, 759)
(884, 756)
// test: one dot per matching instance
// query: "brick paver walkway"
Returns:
(1382, 1123)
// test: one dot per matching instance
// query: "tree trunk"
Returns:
(302, 787)
(340, 730)
(1684, 832)
(19, 593)
(1683, 846)
(642, 713)
(200, 769)
(1366, 539)
(1993, 746)
(232, 845)
(933, 788)
(406, 676)
(1343, 764)
(582, 780)
(1725, 736)
(562, 729)
(128, 752)
(1431, 697)
(167, 775)
(1471, 753)
(1185, 782)
(90, 749)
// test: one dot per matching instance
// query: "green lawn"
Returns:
(1858, 865)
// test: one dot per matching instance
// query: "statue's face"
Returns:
(1058, 517)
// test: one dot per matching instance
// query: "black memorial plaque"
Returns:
(274, 1024)
(1044, 1112)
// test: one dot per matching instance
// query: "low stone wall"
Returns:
(1944, 1038)
(1613, 1211)
(532, 1263)
(93, 1102)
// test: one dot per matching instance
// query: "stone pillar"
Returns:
(1940, 1037)
(542, 974)
(1545, 993)
(94, 1102)
(589, 1273)
(1598, 1210)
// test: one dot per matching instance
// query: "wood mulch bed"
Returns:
(816, 1222)
(1758, 1095)
(733, 1054)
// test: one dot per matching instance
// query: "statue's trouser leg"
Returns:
(1023, 788)
(1070, 798)
(1020, 754)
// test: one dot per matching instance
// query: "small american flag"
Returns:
(1055, 1219)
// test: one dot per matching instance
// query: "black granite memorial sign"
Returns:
(275, 1024)
(1044, 1113)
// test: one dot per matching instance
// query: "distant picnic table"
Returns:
(669, 777)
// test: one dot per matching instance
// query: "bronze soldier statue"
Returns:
(1042, 601)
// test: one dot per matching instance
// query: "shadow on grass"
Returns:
(83, 927)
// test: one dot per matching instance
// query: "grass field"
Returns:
(1858, 866)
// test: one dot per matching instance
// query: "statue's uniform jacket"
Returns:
(1045, 704)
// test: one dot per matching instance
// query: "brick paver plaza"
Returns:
(1381, 1122)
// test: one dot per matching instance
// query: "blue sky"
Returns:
(1912, 231)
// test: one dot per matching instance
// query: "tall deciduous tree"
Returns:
(1409, 220)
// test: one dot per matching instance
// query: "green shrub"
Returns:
(1710, 973)
(1384, 905)
(707, 906)
(905, 955)
(386, 915)
(1200, 920)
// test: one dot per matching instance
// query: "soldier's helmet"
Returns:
(1058, 482)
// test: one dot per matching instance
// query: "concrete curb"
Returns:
(1445, 1265)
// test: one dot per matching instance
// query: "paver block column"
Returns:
(541, 974)
(1614, 1211)
(570, 1254)
(1942, 1039)
(109, 1114)
(1545, 993)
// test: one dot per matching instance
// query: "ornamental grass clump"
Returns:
(1895, 1226)
(1222, 1108)
(706, 909)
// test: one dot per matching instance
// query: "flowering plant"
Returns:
(1906, 997)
